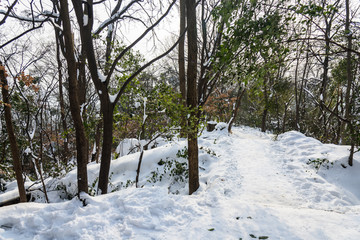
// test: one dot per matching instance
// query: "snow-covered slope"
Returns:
(253, 186)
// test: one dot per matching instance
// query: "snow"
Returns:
(101, 77)
(126, 146)
(137, 104)
(27, 151)
(251, 184)
(112, 97)
(85, 20)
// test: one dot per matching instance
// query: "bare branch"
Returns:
(136, 41)
(115, 16)
(8, 12)
(21, 35)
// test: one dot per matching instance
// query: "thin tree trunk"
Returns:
(325, 80)
(37, 163)
(239, 96)
(348, 104)
(301, 104)
(192, 98)
(11, 134)
(65, 152)
(297, 99)
(265, 111)
(95, 155)
(181, 62)
(81, 139)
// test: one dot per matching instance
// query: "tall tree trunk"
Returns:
(181, 62)
(325, 79)
(348, 102)
(301, 100)
(192, 98)
(11, 134)
(81, 139)
(65, 151)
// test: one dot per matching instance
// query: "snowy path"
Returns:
(259, 184)
(257, 167)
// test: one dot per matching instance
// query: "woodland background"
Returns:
(78, 79)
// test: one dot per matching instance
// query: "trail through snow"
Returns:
(257, 170)
(258, 186)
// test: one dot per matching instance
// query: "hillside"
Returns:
(253, 186)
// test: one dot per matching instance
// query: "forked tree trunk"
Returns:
(11, 134)
(81, 139)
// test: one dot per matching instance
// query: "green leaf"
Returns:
(252, 235)
(211, 229)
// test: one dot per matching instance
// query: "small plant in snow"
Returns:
(128, 183)
(92, 187)
(208, 151)
(183, 153)
(173, 168)
(63, 192)
(319, 162)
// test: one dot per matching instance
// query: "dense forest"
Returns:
(75, 86)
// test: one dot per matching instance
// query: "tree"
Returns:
(81, 139)
(181, 60)
(192, 97)
(349, 78)
(11, 134)
(85, 18)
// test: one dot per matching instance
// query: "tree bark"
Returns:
(81, 139)
(348, 103)
(95, 155)
(65, 151)
(239, 96)
(107, 113)
(265, 111)
(11, 134)
(181, 62)
(192, 99)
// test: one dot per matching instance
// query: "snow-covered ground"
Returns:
(253, 186)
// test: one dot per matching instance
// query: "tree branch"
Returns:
(136, 41)
(7, 13)
(21, 35)
(145, 66)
